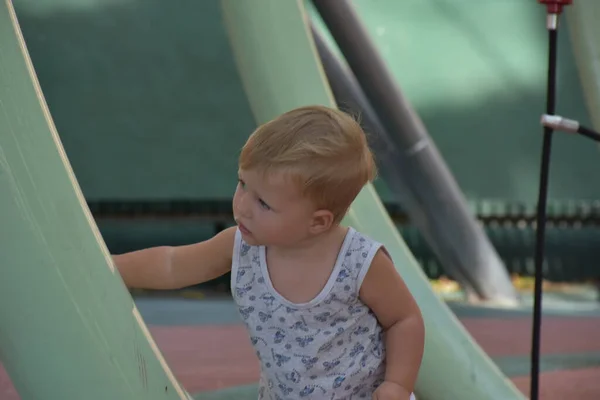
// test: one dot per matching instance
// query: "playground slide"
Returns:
(582, 21)
(70, 327)
(282, 71)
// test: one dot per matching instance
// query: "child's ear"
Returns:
(321, 221)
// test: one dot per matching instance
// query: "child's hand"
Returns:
(391, 391)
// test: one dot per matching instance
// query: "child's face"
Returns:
(270, 210)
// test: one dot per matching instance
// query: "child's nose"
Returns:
(243, 209)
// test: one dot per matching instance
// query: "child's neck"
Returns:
(311, 247)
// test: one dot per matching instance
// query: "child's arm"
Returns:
(175, 267)
(384, 292)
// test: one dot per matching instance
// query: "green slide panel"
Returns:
(68, 327)
(280, 70)
(582, 20)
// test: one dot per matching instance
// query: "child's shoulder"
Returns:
(359, 238)
(360, 234)
(371, 250)
(224, 241)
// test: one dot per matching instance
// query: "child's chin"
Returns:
(251, 240)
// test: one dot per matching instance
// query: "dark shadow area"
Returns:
(145, 95)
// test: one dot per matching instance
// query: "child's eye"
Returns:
(242, 183)
(264, 205)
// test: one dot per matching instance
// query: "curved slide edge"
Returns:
(280, 70)
(582, 20)
(440, 212)
(69, 327)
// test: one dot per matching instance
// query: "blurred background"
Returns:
(152, 114)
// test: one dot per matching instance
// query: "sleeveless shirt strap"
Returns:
(235, 257)
(367, 263)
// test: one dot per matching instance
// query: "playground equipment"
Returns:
(430, 194)
(69, 329)
(80, 331)
(550, 123)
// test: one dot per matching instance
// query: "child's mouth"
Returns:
(243, 229)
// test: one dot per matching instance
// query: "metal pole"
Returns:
(464, 250)
(554, 8)
(394, 166)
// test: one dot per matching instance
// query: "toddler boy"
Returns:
(326, 311)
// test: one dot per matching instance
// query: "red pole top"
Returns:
(555, 6)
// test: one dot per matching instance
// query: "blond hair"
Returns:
(323, 149)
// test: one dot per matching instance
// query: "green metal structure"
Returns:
(69, 328)
(81, 332)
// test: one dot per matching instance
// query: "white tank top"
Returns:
(329, 348)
